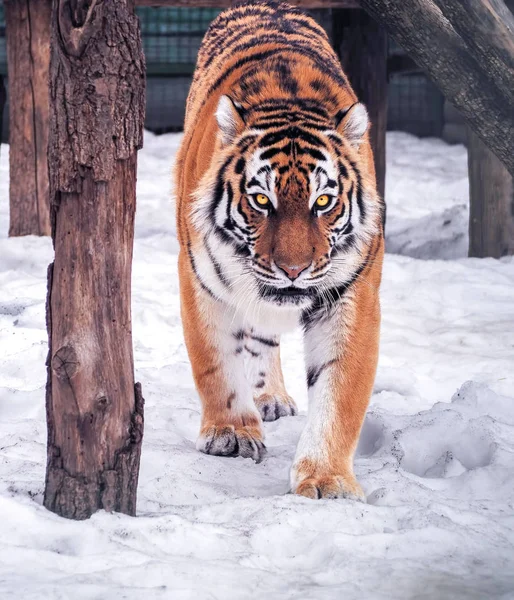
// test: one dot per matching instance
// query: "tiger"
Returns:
(280, 226)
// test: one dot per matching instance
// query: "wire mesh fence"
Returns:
(172, 37)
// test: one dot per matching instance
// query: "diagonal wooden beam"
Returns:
(487, 27)
(461, 71)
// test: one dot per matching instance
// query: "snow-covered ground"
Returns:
(436, 458)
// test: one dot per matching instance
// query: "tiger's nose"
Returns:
(293, 271)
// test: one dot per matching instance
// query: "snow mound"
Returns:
(466, 441)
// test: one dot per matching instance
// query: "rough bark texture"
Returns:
(28, 56)
(429, 31)
(487, 27)
(362, 46)
(491, 194)
(94, 410)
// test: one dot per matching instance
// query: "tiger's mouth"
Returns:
(286, 295)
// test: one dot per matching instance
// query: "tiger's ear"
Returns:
(353, 123)
(229, 115)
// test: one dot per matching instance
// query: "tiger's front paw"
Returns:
(227, 440)
(274, 406)
(316, 485)
(333, 486)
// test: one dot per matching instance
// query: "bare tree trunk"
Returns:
(28, 56)
(491, 194)
(429, 30)
(94, 410)
(362, 47)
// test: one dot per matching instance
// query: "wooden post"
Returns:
(491, 186)
(28, 52)
(362, 47)
(94, 410)
(2, 106)
(491, 197)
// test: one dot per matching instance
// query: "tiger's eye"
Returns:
(322, 201)
(261, 199)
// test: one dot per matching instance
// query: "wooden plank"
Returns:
(362, 47)
(226, 3)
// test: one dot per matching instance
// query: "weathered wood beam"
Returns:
(487, 27)
(460, 70)
(225, 3)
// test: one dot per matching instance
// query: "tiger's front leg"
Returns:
(231, 424)
(341, 357)
(264, 372)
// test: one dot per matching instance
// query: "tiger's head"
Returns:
(289, 198)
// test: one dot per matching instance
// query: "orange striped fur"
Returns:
(280, 225)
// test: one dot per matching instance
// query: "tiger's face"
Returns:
(289, 201)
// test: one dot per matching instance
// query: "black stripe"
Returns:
(240, 166)
(383, 211)
(197, 275)
(348, 226)
(251, 352)
(294, 133)
(271, 152)
(217, 267)
(219, 189)
(312, 116)
(254, 181)
(313, 373)
(246, 142)
(360, 198)
(263, 124)
(311, 152)
(343, 171)
(265, 341)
